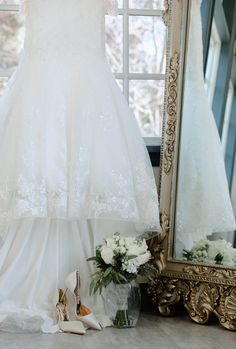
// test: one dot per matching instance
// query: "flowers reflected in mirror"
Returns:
(211, 252)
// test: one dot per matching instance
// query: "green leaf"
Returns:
(96, 287)
(97, 273)
(123, 278)
(131, 257)
(91, 287)
(100, 289)
(219, 258)
(107, 272)
(91, 259)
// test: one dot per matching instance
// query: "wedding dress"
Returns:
(203, 200)
(74, 168)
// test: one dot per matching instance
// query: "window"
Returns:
(227, 115)
(233, 191)
(212, 63)
(11, 39)
(135, 44)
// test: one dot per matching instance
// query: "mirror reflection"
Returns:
(206, 188)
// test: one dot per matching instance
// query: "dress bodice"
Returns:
(61, 27)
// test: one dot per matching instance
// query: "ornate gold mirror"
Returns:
(194, 254)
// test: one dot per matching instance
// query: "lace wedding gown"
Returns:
(203, 201)
(74, 166)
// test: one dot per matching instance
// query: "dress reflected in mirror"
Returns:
(203, 200)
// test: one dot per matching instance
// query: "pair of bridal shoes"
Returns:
(85, 317)
(64, 322)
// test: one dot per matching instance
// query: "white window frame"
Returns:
(212, 63)
(227, 115)
(126, 76)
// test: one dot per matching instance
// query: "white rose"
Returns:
(137, 248)
(107, 255)
(133, 250)
(129, 242)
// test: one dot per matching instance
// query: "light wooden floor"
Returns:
(152, 332)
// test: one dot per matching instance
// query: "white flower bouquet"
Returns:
(119, 261)
(217, 252)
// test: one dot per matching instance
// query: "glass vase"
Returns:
(123, 304)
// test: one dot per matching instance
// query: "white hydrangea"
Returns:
(116, 243)
(132, 265)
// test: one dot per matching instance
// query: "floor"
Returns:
(152, 332)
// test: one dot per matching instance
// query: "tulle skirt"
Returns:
(35, 257)
(70, 145)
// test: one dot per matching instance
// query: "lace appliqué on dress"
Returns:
(35, 199)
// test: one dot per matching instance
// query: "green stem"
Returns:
(122, 318)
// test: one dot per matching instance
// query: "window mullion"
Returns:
(5, 7)
(146, 76)
(140, 76)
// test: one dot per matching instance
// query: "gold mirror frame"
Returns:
(204, 290)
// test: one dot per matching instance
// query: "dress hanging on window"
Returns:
(203, 201)
(74, 166)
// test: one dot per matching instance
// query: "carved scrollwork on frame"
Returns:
(206, 299)
(166, 293)
(201, 299)
(156, 245)
(228, 307)
(200, 270)
(166, 11)
(171, 113)
(165, 222)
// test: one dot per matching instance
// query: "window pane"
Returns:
(114, 42)
(120, 84)
(3, 83)
(147, 44)
(11, 39)
(147, 4)
(228, 109)
(212, 63)
(120, 4)
(147, 100)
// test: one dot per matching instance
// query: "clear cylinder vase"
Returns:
(123, 303)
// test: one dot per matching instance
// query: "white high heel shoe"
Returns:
(64, 323)
(82, 313)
